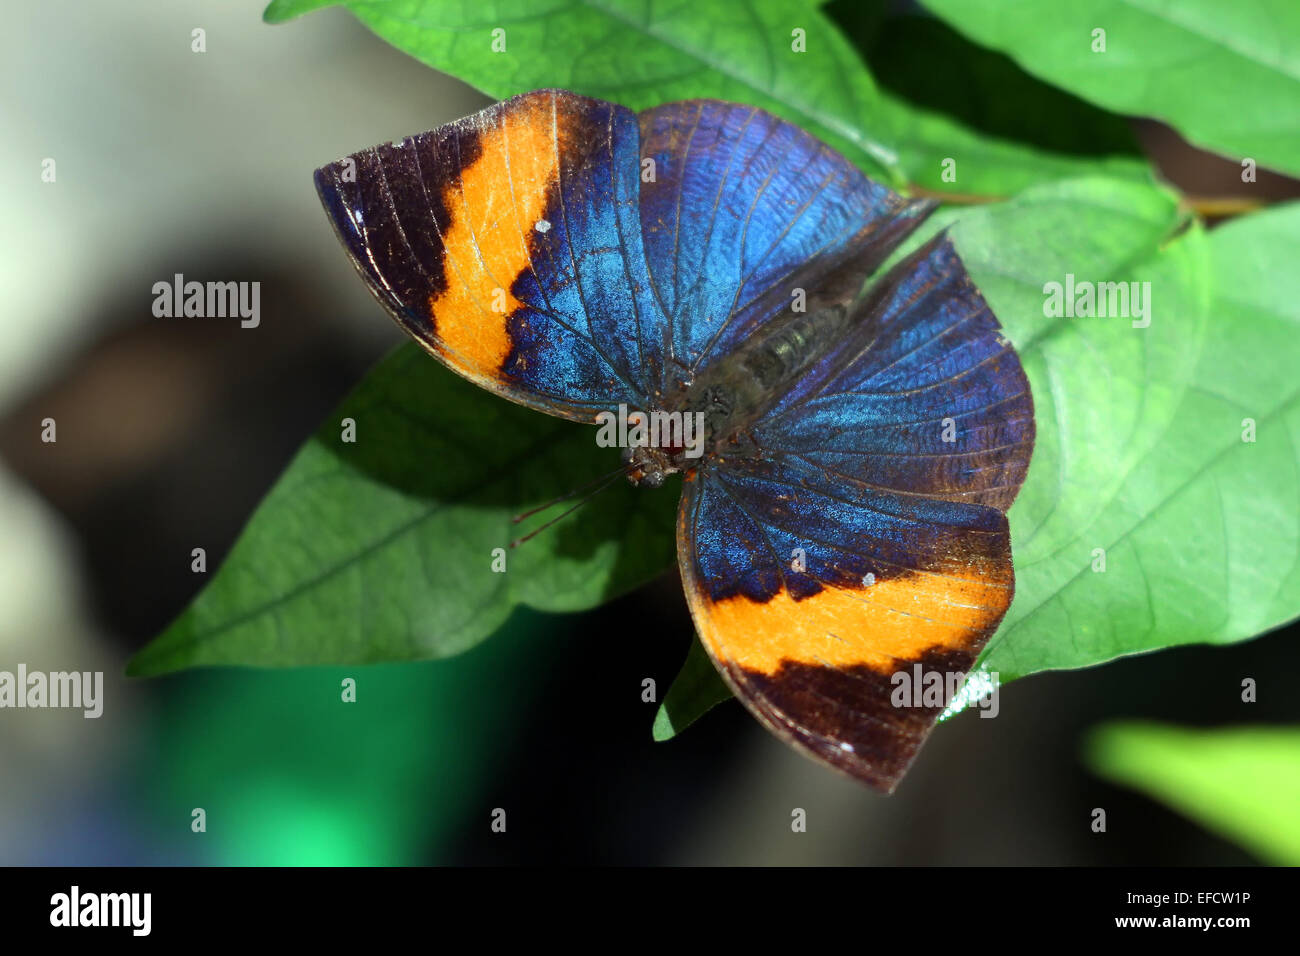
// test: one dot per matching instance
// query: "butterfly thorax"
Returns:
(729, 395)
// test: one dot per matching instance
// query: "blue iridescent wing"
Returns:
(927, 397)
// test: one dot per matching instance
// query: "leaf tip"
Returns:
(663, 728)
(279, 11)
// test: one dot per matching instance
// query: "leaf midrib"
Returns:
(1222, 42)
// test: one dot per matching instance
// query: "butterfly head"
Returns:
(648, 466)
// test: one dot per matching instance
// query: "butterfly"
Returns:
(843, 521)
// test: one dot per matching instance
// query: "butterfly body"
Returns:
(730, 395)
(843, 519)
(735, 389)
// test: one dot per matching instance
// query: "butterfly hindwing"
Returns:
(810, 598)
(869, 537)
(925, 397)
(509, 245)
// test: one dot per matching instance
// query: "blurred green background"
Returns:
(169, 432)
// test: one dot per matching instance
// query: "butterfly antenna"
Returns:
(621, 470)
(607, 481)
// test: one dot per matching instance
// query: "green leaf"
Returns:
(1140, 447)
(382, 549)
(1005, 130)
(1243, 783)
(641, 55)
(698, 688)
(1226, 75)
(967, 120)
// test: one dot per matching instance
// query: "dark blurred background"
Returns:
(170, 431)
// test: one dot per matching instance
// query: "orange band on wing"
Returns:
(875, 626)
(498, 198)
